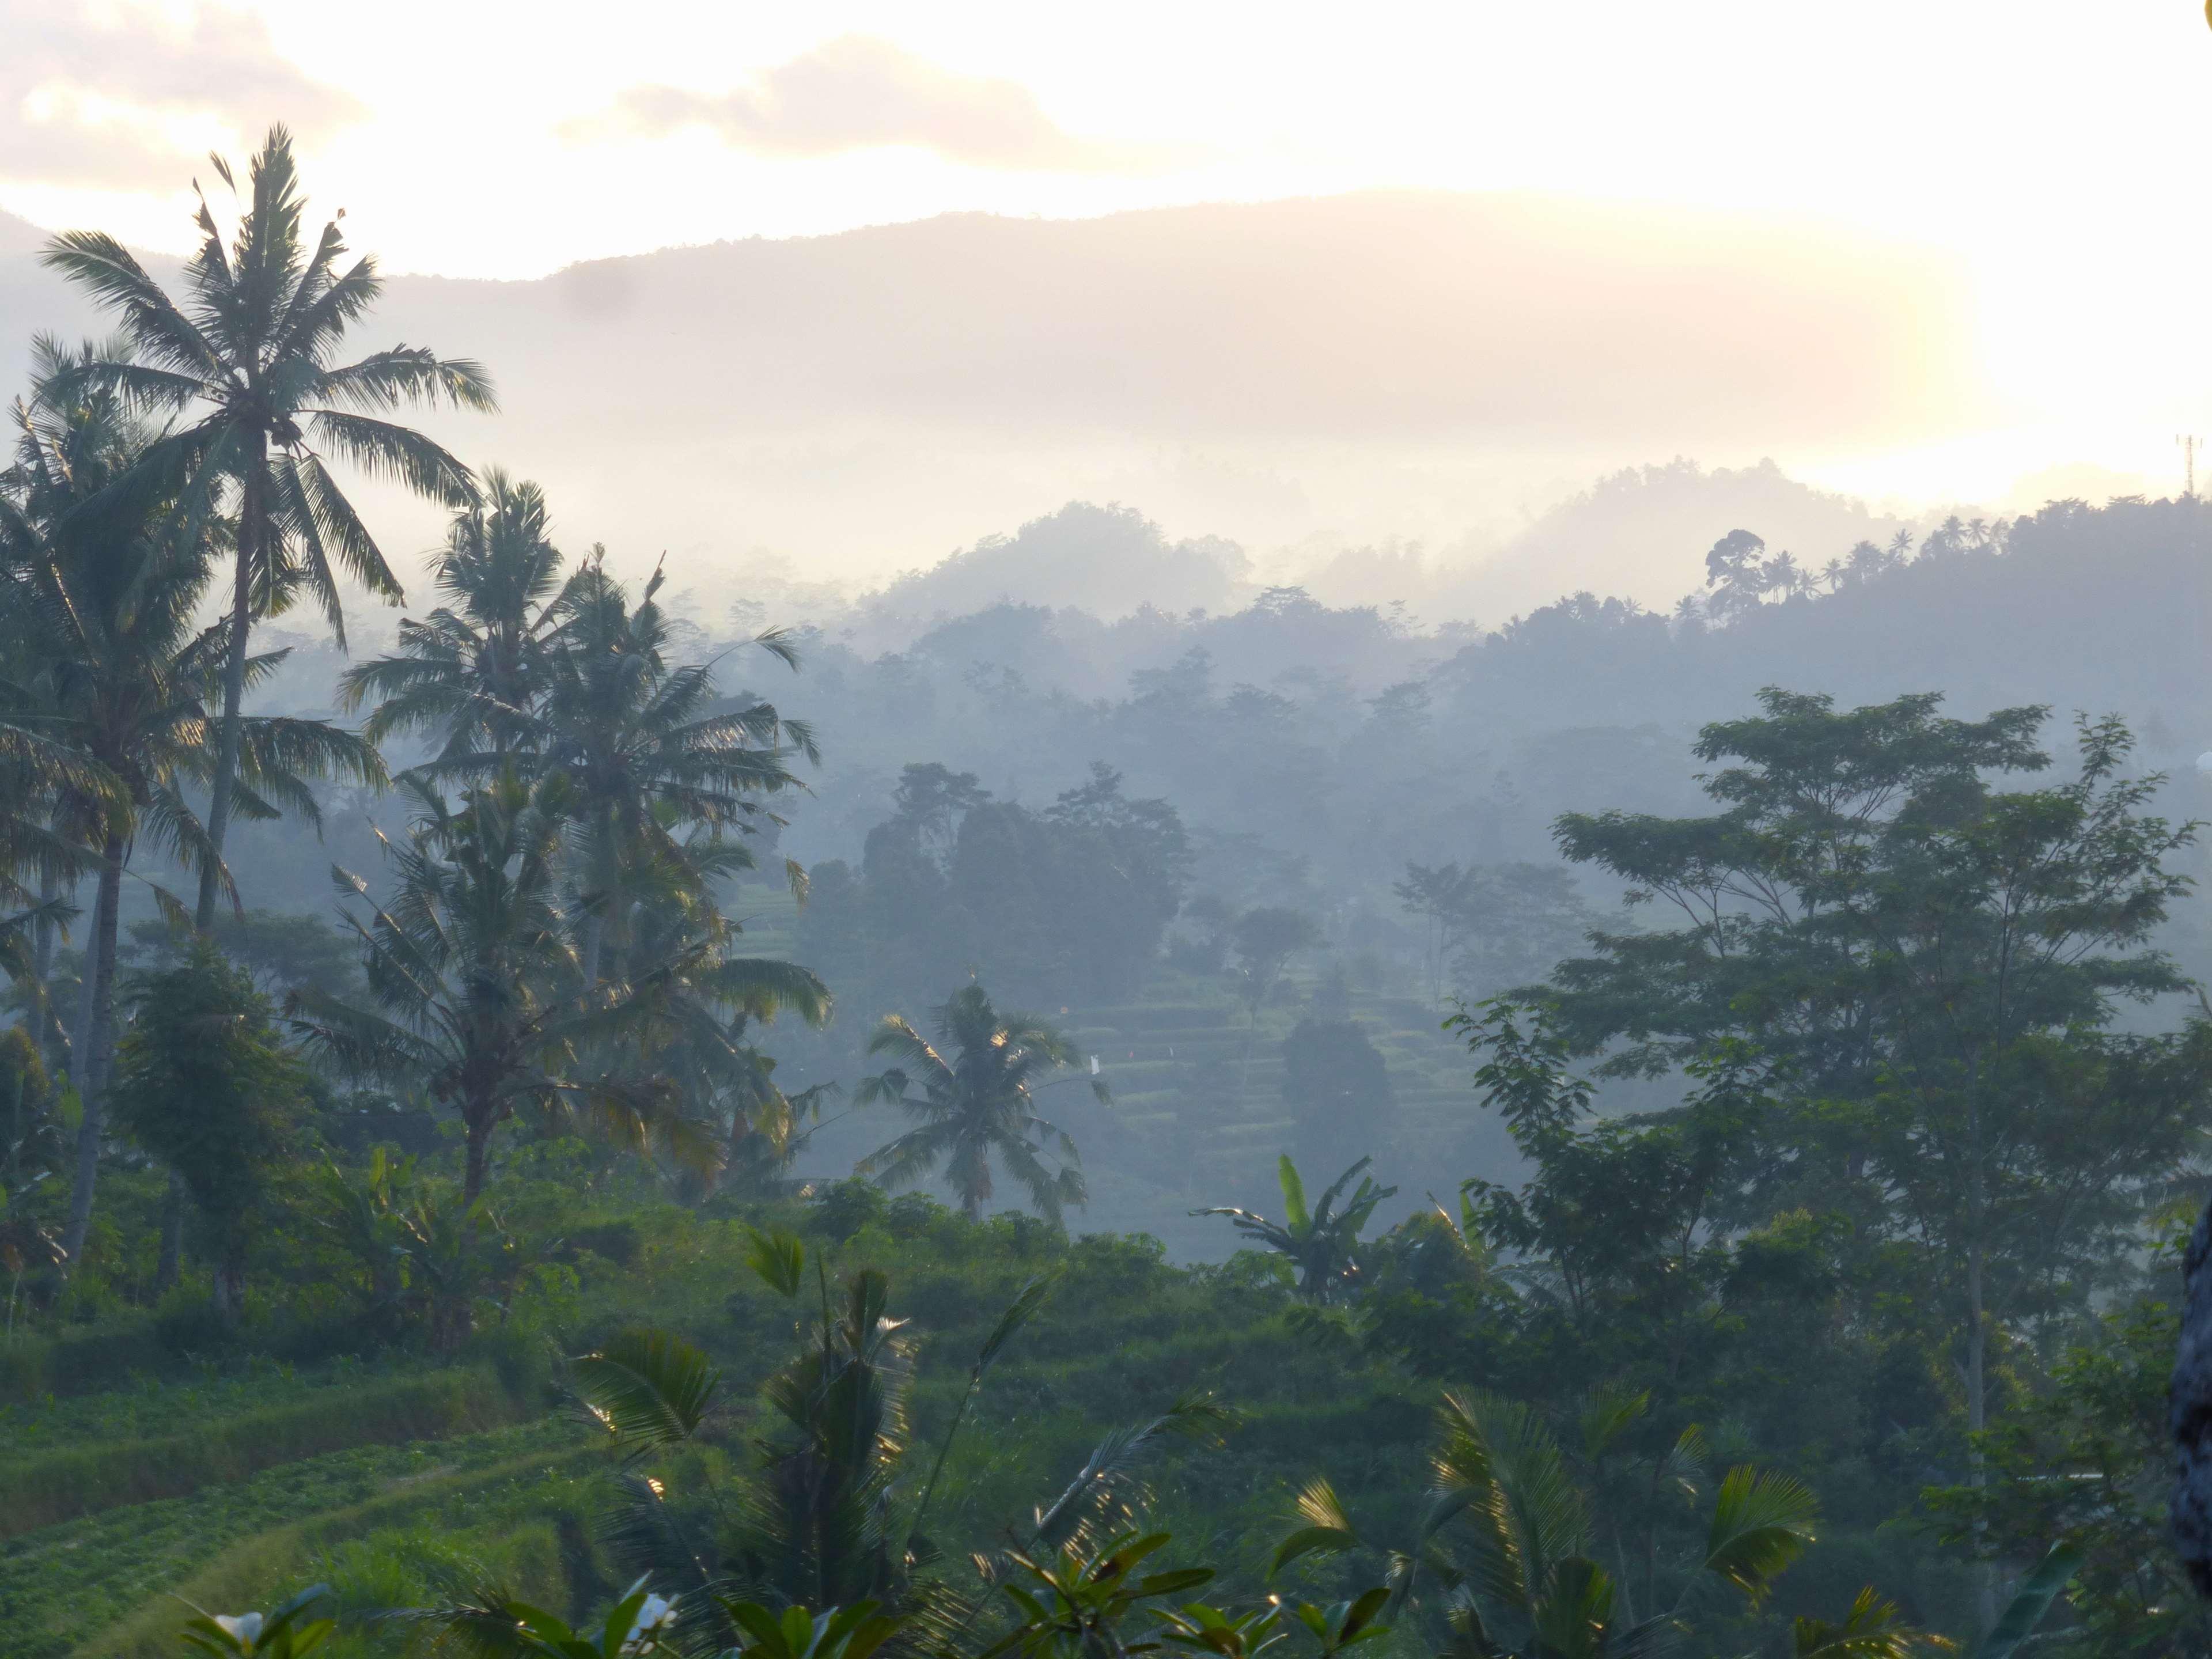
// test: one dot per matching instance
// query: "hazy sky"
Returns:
(2058, 145)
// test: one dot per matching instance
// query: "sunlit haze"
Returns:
(2048, 155)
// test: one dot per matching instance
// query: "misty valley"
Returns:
(1106, 1093)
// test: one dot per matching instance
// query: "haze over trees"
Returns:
(1066, 1127)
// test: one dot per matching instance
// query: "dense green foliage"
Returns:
(1070, 902)
(459, 1265)
(205, 1084)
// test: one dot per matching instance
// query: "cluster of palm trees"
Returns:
(547, 943)
(549, 916)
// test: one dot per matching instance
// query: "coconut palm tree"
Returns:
(40, 866)
(128, 677)
(712, 1010)
(977, 1105)
(250, 357)
(472, 674)
(650, 758)
(479, 1001)
(40, 863)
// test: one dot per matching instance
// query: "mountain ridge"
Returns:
(1314, 370)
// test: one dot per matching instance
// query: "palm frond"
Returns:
(1762, 1522)
(648, 1388)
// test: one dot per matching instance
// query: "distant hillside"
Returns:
(1105, 560)
(1350, 367)
(1642, 533)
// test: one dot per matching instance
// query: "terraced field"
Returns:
(388, 1482)
(1195, 1123)
(1200, 1091)
(250, 1484)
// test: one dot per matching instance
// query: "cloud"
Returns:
(123, 96)
(857, 93)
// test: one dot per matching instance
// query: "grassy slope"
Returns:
(83, 1479)
(1125, 1336)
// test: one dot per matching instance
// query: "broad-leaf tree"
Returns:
(1264, 940)
(205, 1083)
(1936, 960)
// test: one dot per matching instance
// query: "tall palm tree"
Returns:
(711, 1055)
(251, 354)
(977, 1105)
(471, 674)
(649, 755)
(470, 963)
(39, 863)
(128, 680)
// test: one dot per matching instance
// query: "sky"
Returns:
(2058, 148)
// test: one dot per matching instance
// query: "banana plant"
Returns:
(2029, 1603)
(1322, 1244)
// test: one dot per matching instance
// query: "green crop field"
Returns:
(308, 1474)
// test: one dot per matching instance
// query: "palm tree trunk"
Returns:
(1977, 1400)
(595, 931)
(88, 1061)
(88, 996)
(42, 962)
(252, 532)
(479, 1156)
(229, 1286)
(451, 1316)
(167, 1268)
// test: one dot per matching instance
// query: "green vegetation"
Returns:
(486, 1263)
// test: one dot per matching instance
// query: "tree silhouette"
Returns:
(976, 1097)
(250, 353)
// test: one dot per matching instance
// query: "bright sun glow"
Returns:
(2056, 150)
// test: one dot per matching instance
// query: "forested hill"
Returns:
(2094, 608)
(1311, 755)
